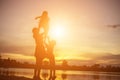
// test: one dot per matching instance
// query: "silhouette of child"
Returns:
(39, 52)
(50, 55)
(44, 22)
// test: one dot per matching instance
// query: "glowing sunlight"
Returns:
(57, 31)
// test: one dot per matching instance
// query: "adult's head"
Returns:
(35, 30)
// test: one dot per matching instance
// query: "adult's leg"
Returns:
(39, 64)
(50, 74)
(36, 69)
(35, 72)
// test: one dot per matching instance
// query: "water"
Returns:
(64, 75)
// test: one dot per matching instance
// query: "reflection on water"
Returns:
(45, 74)
(7, 72)
(96, 77)
(63, 75)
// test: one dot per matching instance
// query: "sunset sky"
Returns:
(80, 28)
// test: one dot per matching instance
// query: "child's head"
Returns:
(45, 13)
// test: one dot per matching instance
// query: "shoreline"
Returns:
(63, 68)
(12, 77)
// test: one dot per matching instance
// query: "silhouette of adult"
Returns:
(39, 52)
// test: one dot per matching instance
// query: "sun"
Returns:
(57, 31)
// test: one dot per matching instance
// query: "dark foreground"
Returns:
(3, 77)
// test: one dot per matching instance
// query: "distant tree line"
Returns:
(10, 63)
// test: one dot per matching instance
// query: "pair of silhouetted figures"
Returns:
(44, 46)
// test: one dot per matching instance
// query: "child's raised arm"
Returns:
(37, 17)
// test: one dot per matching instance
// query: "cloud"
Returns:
(10, 48)
(104, 59)
(114, 26)
(109, 58)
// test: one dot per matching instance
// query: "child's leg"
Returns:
(54, 71)
(46, 29)
(53, 62)
(53, 67)
(40, 25)
(50, 67)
